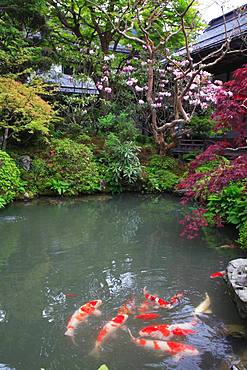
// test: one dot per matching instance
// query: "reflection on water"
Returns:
(107, 248)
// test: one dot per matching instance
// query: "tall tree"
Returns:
(22, 37)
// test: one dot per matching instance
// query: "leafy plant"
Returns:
(243, 235)
(23, 113)
(59, 186)
(122, 163)
(72, 168)
(201, 126)
(162, 173)
(230, 204)
(120, 124)
(10, 182)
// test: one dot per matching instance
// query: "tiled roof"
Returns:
(68, 84)
(230, 25)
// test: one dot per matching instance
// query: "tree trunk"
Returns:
(5, 138)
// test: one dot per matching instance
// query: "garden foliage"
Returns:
(72, 169)
(23, 113)
(10, 182)
(162, 173)
(219, 184)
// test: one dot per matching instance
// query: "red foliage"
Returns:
(231, 114)
(231, 107)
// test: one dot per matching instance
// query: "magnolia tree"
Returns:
(172, 90)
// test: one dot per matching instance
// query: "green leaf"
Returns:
(103, 367)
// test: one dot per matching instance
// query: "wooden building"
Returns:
(232, 25)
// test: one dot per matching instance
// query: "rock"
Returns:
(25, 162)
(235, 331)
(236, 279)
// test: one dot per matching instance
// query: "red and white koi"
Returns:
(160, 301)
(167, 331)
(108, 329)
(81, 315)
(178, 350)
(218, 274)
(147, 316)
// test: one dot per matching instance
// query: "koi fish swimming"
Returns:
(167, 331)
(178, 350)
(81, 315)
(128, 307)
(161, 302)
(204, 306)
(147, 316)
(218, 274)
(107, 330)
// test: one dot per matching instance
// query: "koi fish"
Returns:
(161, 302)
(147, 316)
(173, 348)
(166, 331)
(108, 329)
(128, 308)
(204, 306)
(218, 274)
(81, 315)
(145, 306)
(71, 295)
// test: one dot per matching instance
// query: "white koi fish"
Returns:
(204, 306)
(178, 350)
(81, 315)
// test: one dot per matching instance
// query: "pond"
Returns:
(56, 255)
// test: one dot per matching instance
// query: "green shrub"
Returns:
(36, 179)
(72, 169)
(230, 204)
(122, 165)
(10, 182)
(121, 125)
(201, 126)
(243, 235)
(162, 173)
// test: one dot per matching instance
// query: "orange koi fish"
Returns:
(161, 302)
(166, 331)
(81, 315)
(218, 274)
(107, 330)
(145, 306)
(147, 316)
(178, 350)
(128, 307)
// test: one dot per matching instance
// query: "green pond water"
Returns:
(107, 248)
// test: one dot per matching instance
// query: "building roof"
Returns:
(69, 84)
(232, 24)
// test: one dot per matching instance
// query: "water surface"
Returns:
(108, 248)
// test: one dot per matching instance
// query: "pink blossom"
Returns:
(138, 88)
(218, 82)
(99, 86)
(108, 90)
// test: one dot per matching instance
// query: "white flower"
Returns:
(140, 101)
